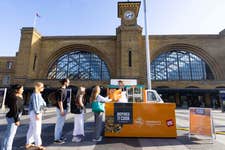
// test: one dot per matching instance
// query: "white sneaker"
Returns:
(76, 139)
(97, 140)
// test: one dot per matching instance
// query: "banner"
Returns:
(125, 81)
(200, 120)
(140, 120)
(2, 97)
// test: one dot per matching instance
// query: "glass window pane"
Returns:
(79, 65)
(180, 65)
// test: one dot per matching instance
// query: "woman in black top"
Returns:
(14, 102)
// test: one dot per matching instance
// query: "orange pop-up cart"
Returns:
(140, 119)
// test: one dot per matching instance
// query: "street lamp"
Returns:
(147, 48)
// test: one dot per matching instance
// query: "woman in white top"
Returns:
(95, 96)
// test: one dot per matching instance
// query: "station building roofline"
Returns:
(186, 36)
(153, 36)
(113, 37)
(86, 37)
(7, 57)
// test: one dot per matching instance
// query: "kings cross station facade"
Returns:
(185, 69)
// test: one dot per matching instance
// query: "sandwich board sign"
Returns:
(2, 97)
(201, 122)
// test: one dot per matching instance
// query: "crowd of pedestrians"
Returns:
(15, 102)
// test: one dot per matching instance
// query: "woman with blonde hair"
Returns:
(77, 108)
(36, 108)
(96, 97)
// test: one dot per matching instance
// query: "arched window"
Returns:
(180, 65)
(79, 65)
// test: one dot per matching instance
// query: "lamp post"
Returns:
(147, 47)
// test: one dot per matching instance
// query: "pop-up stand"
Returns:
(139, 116)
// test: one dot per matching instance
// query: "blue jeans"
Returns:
(9, 134)
(59, 124)
(98, 124)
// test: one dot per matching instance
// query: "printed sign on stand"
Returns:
(68, 95)
(2, 97)
(201, 122)
(222, 99)
(68, 98)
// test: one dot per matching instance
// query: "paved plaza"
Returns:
(182, 141)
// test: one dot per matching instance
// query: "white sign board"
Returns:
(125, 81)
(68, 95)
(2, 97)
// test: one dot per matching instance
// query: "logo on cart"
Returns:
(123, 113)
(169, 123)
(153, 122)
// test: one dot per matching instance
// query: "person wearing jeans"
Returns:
(61, 111)
(14, 101)
(59, 124)
(36, 108)
(10, 134)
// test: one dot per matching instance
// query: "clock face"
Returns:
(129, 15)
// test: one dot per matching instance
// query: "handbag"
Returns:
(97, 106)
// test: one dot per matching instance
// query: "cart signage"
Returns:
(140, 120)
(125, 81)
(123, 113)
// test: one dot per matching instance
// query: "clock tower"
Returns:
(130, 53)
(128, 12)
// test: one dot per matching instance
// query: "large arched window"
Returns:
(180, 65)
(79, 65)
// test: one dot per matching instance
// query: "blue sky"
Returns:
(99, 17)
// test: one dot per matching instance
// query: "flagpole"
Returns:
(35, 20)
(147, 47)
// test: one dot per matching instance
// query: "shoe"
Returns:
(59, 141)
(63, 138)
(97, 140)
(41, 148)
(27, 146)
(76, 139)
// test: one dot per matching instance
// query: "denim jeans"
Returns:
(59, 124)
(98, 124)
(9, 134)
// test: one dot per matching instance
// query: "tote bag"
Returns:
(97, 106)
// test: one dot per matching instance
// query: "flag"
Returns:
(35, 19)
(37, 15)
